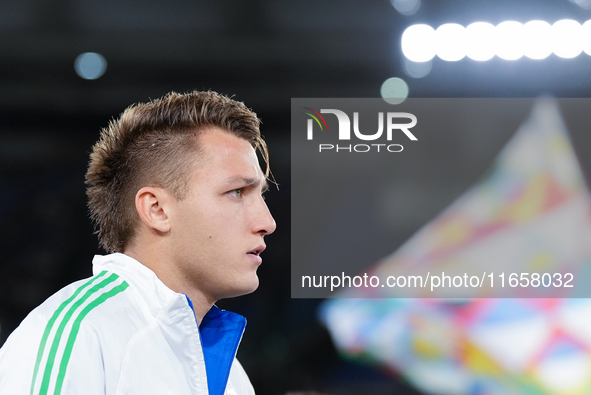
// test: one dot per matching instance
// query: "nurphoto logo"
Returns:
(393, 124)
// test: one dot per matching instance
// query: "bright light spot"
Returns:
(450, 42)
(586, 37)
(394, 90)
(567, 40)
(584, 4)
(90, 65)
(480, 41)
(417, 69)
(418, 43)
(509, 40)
(537, 37)
(406, 7)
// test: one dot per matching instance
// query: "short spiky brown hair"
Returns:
(154, 144)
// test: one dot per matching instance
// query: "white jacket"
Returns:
(123, 332)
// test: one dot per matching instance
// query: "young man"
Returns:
(175, 188)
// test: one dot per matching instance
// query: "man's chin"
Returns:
(244, 289)
(253, 287)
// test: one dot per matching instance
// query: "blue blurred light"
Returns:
(90, 65)
(417, 69)
(394, 90)
(406, 7)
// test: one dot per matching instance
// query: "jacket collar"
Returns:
(220, 331)
(159, 300)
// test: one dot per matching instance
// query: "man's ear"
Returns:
(151, 205)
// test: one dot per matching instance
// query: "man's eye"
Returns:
(236, 193)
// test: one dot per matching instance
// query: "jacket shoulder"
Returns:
(68, 331)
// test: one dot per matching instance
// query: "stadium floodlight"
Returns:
(509, 40)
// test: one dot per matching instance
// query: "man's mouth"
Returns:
(256, 251)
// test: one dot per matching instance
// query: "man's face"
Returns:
(217, 229)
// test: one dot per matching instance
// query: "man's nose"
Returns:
(265, 223)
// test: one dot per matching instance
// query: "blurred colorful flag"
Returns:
(531, 213)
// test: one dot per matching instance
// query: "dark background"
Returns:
(264, 52)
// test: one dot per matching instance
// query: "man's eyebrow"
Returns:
(249, 182)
